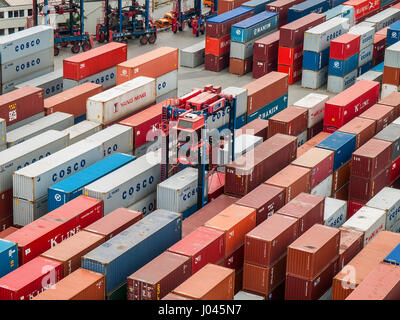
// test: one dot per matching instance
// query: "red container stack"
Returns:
(265, 55)
(290, 58)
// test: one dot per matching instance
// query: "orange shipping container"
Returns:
(212, 282)
(80, 285)
(235, 221)
(363, 263)
(218, 46)
(72, 101)
(152, 64)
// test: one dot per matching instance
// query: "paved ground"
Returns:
(188, 77)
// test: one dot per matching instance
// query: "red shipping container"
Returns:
(307, 208)
(379, 45)
(351, 243)
(344, 46)
(258, 127)
(320, 161)
(145, 124)
(266, 49)
(350, 103)
(362, 7)
(290, 56)
(235, 259)
(7, 232)
(294, 72)
(371, 158)
(56, 226)
(216, 63)
(85, 64)
(218, 30)
(291, 121)
(269, 241)
(261, 68)
(311, 252)
(218, 46)
(353, 207)
(240, 67)
(204, 245)
(21, 104)
(6, 204)
(394, 170)
(364, 129)
(282, 7)
(27, 281)
(362, 189)
(265, 199)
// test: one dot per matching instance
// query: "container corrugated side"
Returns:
(335, 212)
(8, 257)
(51, 83)
(130, 250)
(56, 121)
(82, 130)
(128, 184)
(25, 211)
(107, 78)
(145, 205)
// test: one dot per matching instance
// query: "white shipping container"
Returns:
(167, 83)
(52, 83)
(335, 212)
(26, 42)
(32, 182)
(392, 56)
(338, 84)
(368, 220)
(12, 85)
(115, 103)
(387, 89)
(25, 212)
(55, 121)
(128, 184)
(314, 79)
(371, 76)
(315, 103)
(319, 37)
(179, 192)
(384, 18)
(388, 199)
(3, 132)
(82, 130)
(243, 144)
(193, 56)
(145, 205)
(107, 78)
(302, 138)
(365, 55)
(366, 33)
(324, 188)
(24, 121)
(28, 152)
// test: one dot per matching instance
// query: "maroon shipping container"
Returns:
(250, 170)
(266, 49)
(235, 259)
(391, 76)
(114, 222)
(354, 206)
(278, 293)
(159, 277)
(88, 63)
(292, 34)
(240, 67)
(320, 161)
(204, 245)
(269, 241)
(266, 89)
(258, 126)
(298, 288)
(364, 129)
(21, 104)
(392, 100)
(381, 114)
(314, 130)
(216, 63)
(362, 189)
(307, 208)
(282, 7)
(293, 179)
(341, 176)
(6, 222)
(371, 158)
(291, 121)
(261, 68)
(6, 205)
(218, 30)
(206, 213)
(351, 243)
(264, 280)
(379, 45)
(312, 251)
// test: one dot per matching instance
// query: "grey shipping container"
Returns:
(3, 147)
(384, 18)
(12, 85)
(82, 130)
(335, 212)
(29, 152)
(129, 184)
(25, 211)
(338, 84)
(392, 134)
(52, 83)
(145, 205)
(26, 42)
(314, 79)
(134, 247)
(32, 182)
(168, 95)
(244, 50)
(193, 56)
(366, 33)
(392, 56)
(55, 121)
(18, 68)
(3, 132)
(107, 78)
(25, 121)
(371, 75)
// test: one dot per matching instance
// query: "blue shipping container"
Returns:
(393, 33)
(240, 122)
(70, 188)
(254, 26)
(394, 256)
(364, 68)
(343, 144)
(80, 119)
(229, 15)
(340, 68)
(8, 257)
(341, 11)
(335, 3)
(131, 249)
(188, 212)
(257, 5)
(302, 9)
(315, 60)
(270, 109)
(378, 67)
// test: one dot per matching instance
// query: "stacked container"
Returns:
(51, 83)
(341, 11)
(316, 51)
(343, 62)
(393, 33)
(243, 36)
(26, 55)
(290, 59)
(265, 55)
(282, 8)
(366, 34)
(391, 70)
(218, 31)
(302, 9)
(362, 8)
(378, 55)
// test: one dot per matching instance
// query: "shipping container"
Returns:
(25, 121)
(240, 67)
(7, 231)
(266, 48)
(257, 127)
(315, 60)
(218, 46)
(244, 143)
(384, 18)
(391, 76)
(51, 83)
(294, 72)
(314, 79)
(351, 243)
(311, 143)
(339, 10)
(290, 56)
(106, 78)
(335, 212)
(82, 130)
(145, 205)
(362, 7)
(8, 256)
(363, 128)
(193, 56)
(392, 33)
(131, 249)
(371, 76)
(340, 68)
(291, 121)
(243, 295)
(339, 84)
(304, 8)
(344, 46)
(25, 211)
(315, 104)
(282, 7)
(391, 134)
